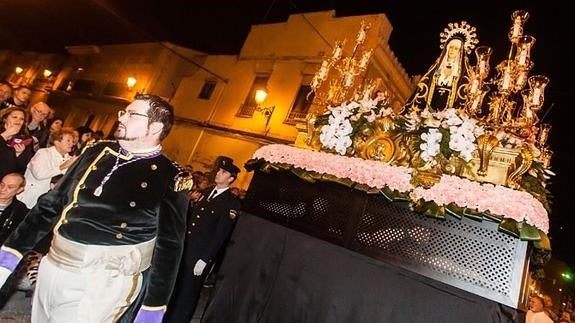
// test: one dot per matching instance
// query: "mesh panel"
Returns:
(464, 253)
(457, 249)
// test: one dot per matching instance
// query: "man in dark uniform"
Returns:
(210, 222)
(118, 220)
(12, 211)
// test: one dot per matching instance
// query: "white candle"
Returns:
(516, 30)
(349, 79)
(475, 103)
(506, 80)
(337, 52)
(474, 86)
(365, 59)
(536, 97)
(481, 67)
(523, 57)
(361, 35)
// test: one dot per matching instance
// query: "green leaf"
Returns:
(430, 209)
(543, 243)
(365, 188)
(435, 211)
(510, 227)
(454, 210)
(528, 232)
(303, 174)
(473, 214)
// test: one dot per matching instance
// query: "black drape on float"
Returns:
(274, 274)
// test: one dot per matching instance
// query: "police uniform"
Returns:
(210, 222)
(117, 212)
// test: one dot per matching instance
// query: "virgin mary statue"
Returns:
(443, 85)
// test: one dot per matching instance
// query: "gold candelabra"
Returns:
(511, 106)
(339, 78)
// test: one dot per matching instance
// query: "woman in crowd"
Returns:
(16, 145)
(54, 125)
(47, 163)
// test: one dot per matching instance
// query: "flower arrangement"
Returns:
(448, 132)
(443, 140)
(457, 195)
(341, 124)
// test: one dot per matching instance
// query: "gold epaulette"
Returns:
(183, 181)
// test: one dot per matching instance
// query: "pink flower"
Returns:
(499, 200)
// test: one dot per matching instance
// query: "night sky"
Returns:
(220, 27)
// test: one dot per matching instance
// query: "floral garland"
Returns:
(451, 190)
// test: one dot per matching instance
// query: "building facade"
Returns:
(214, 94)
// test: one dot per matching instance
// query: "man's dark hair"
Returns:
(160, 111)
(21, 176)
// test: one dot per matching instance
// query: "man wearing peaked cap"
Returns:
(210, 221)
(227, 164)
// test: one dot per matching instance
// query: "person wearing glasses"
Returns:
(118, 219)
(37, 126)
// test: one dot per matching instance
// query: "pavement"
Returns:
(19, 306)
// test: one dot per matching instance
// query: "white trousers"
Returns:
(99, 296)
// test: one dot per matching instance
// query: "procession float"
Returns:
(451, 186)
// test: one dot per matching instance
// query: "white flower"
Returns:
(430, 146)
(342, 120)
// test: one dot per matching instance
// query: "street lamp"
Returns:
(260, 97)
(131, 82)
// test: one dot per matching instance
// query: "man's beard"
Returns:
(123, 136)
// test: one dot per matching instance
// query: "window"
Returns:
(85, 86)
(115, 89)
(65, 85)
(207, 90)
(301, 104)
(247, 109)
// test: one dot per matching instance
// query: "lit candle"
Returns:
(475, 103)
(365, 59)
(544, 133)
(314, 83)
(516, 30)
(523, 57)
(506, 80)
(361, 35)
(349, 79)
(337, 51)
(482, 67)
(474, 86)
(536, 96)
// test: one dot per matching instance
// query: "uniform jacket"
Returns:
(209, 225)
(138, 203)
(12, 215)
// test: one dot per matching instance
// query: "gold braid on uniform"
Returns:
(93, 142)
(183, 181)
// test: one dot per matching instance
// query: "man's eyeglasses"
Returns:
(121, 113)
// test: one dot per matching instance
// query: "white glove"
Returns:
(199, 267)
(4, 274)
